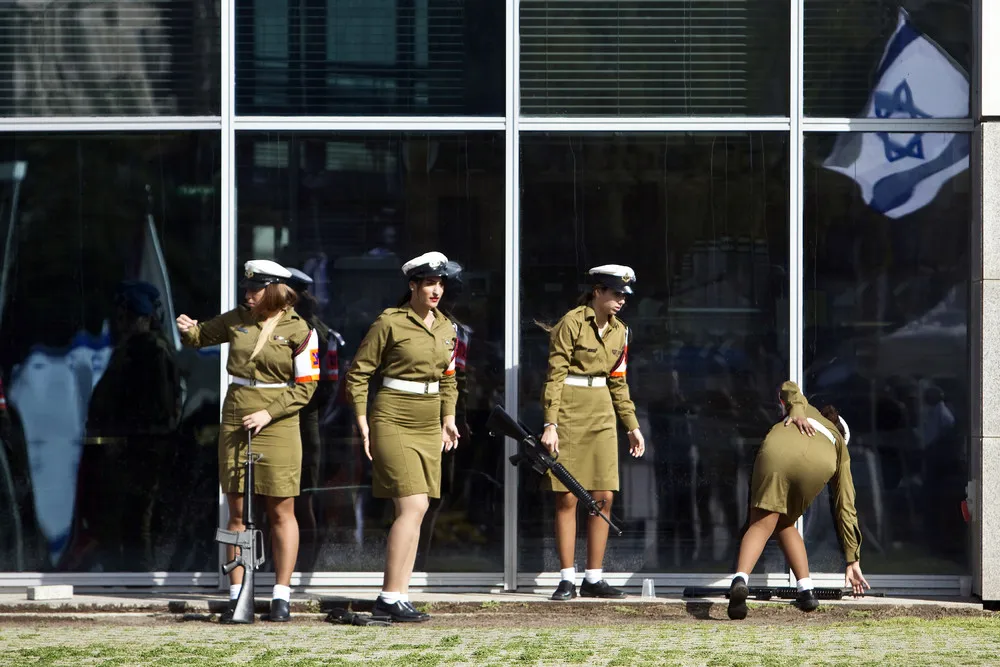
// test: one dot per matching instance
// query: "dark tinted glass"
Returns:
(888, 58)
(349, 209)
(886, 341)
(654, 58)
(702, 219)
(370, 57)
(109, 58)
(110, 428)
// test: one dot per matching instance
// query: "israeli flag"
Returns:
(900, 173)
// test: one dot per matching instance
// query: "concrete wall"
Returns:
(985, 308)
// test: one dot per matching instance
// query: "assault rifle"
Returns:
(768, 592)
(250, 545)
(532, 453)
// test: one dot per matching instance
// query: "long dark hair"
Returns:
(833, 416)
(586, 298)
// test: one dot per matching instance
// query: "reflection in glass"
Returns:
(654, 57)
(109, 58)
(896, 59)
(105, 237)
(349, 209)
(370, 57)
(703, 220)
(886, 343)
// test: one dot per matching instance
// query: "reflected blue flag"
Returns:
(900, 172)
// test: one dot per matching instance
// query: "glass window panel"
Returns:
(886, 341)
(109, 58)
(703, 220)
(654, 57)
(370, 57)
(109, 436)
(349, 209)
(887, 58)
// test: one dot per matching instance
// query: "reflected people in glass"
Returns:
(104, 238)
(703, 219)
(348, 209)
(887, 271)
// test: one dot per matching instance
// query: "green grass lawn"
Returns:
(853, 637)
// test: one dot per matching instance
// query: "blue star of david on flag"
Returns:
(901, 172)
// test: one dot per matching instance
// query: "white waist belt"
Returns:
(244, 382)
(411, 387)
(822, 429)
(587, 380)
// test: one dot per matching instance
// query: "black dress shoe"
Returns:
(410, 606)
(600, 590)
(398, 612)
(566, 590)
(807, 600)
(279, 611)
(738, 594)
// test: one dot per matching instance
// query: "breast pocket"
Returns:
(587, 358)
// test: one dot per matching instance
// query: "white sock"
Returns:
(592, 576)
(568, 574)
(280, 592)
(234, 591)
(404, 597)
(389, 598)
(746, 577)
(804, 584)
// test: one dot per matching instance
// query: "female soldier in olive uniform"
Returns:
(792, 467)
(585, 387)
(413, 418)
(274, 364)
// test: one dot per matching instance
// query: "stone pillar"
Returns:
(984, 324)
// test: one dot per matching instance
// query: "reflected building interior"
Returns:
(112, 222)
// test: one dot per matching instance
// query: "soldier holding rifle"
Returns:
(584, 389)
(274, 364)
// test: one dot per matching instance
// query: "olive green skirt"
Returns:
(790, 471)
(588, 439)
(405, 439)
(277, 473)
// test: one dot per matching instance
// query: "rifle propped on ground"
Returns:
(249, 543)
(532, 453)
(768, 592)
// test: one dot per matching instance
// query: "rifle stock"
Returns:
(249, 543)
(532, 453)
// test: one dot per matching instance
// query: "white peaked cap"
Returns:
(617, 270)
(615, 276)
(265, 268)
(430, 260)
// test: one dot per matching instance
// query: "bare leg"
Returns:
(795, 549)
(762, 525)
(403, 538)
(284, 536)
(235, 503)
(566, 529)
(597, 531)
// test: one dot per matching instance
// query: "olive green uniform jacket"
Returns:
(405, 428)
(278, 473)
(585, 416)
(792, 468)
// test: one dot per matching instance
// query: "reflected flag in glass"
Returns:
(901, 172)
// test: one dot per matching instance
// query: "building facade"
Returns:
(805, 188)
